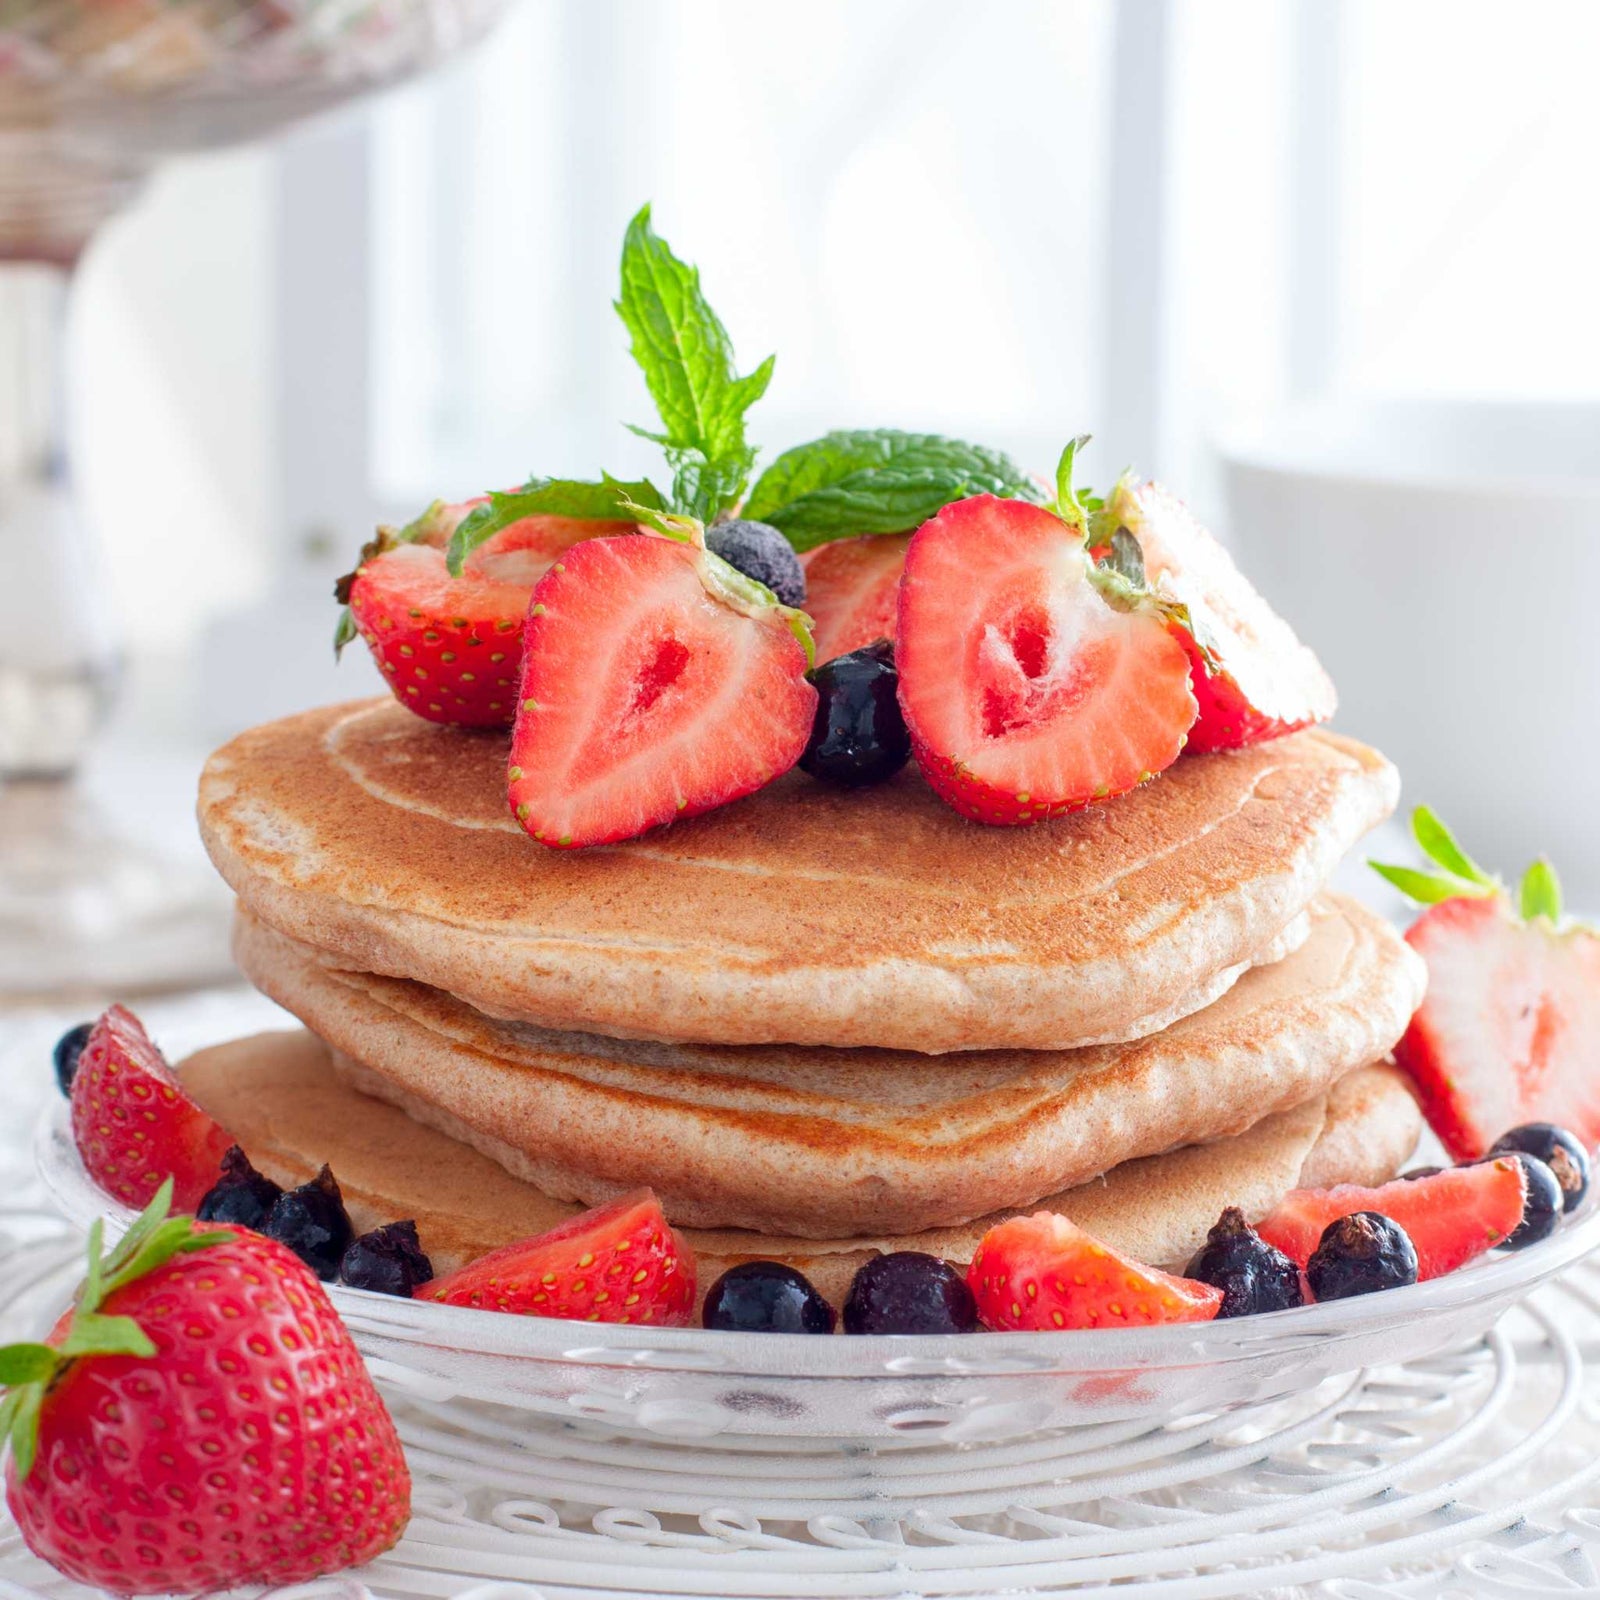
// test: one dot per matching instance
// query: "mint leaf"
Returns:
(1439, 845)
(1541, 892)
(605, 501)
(687, 360)
(876, 480)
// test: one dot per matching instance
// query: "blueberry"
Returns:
(859, 735)
(1414, 1173)
(908, 1292)
(1542, 1208)
(759, 551)
(312, 1222)
(1253, 1275)
(766, 1297)
(241, 1195)
(1361, 1254)
(389, 1260)
(1561, 1151)
(68, 1048)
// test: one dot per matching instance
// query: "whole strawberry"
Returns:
(199, 1419)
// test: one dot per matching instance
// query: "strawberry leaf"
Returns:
(1069, 506)
(19, 1425)
(1439, 845)
(1429, 888)
(687, 360)
(1541, 892)
(608, 500)
(1126, 558)
(344, 632)
(685, 530)
(877, 480)
(93, 1334)
(25, 1363)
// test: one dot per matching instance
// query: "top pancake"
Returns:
(803, 914)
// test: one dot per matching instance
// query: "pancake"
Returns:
(820, 1142)
(803, 913)
(277, 1093)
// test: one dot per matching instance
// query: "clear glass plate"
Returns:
(691, 1383)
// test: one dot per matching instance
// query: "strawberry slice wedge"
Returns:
(1450, 1216)
(658, 682)
(133, 1124)
(451, 648)
(1044, 1272)
(1509, 1030)
(1032, 682)
(1253, 678)
(617, 1263)
(851, 590)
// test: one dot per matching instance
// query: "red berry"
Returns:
(1044, 1272)
(1026, 692)
(451, 648)
(645, 697)
(617, 1263)
(133, 1124)
(1509, 1030)
(1254, 680)
(1450, 1217)
(852, 590)
(245, 1444)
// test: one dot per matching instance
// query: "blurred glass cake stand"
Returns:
(92, 94)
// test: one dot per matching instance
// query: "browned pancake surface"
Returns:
(817, 1141)
(277, 1095)
(803, 913)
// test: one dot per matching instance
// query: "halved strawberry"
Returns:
(658, 682)
(1044, 1272)
(851, 591)
(451, 648)
(1253, 678)
(1509, 1030)
(1032, 681)
(133, 1124)
(1450, 1216)
(617, 1263)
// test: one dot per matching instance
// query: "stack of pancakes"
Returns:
(819, 1023)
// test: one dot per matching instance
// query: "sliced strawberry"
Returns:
(618, 1263)
(1254, 679)
(1509, 1030)
(851, 590)
(451, 648)
(132, 1123)
(658, 683)
(1044, 1272)
(1026, 692)
(1450, 1217)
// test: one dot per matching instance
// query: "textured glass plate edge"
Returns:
(1491, 1283)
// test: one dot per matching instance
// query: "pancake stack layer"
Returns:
(820, 1024)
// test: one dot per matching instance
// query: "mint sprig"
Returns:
(687, 360)
(28, 1370)
(876, 480)
(605, 501)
